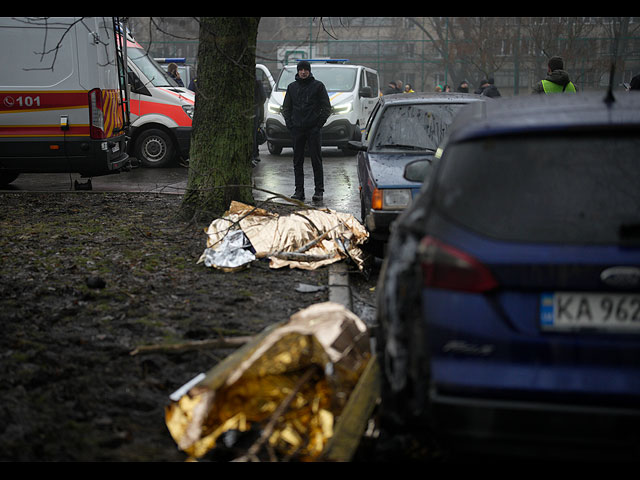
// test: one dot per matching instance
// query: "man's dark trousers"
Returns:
(312, 139)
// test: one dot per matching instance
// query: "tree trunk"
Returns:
(222, 135)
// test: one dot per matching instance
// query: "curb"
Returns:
(339, 289)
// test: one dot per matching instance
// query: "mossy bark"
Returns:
(222, 136)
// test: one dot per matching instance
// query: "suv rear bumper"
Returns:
(522, 428)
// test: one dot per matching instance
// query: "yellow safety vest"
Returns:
(550, 87)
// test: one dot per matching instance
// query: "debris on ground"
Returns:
(72, 391)
(285, 395)
(305, 239)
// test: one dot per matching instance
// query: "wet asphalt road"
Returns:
(274, 173)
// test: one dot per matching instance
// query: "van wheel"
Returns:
(154, 148)
(274, 149)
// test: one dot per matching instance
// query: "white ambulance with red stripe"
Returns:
(161, 111)
(60, 99)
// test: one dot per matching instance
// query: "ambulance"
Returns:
(61, 107)
(161, 111)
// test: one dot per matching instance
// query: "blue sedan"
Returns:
(509, 301)
(402, 128)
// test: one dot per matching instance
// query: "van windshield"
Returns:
(335, 79)
(154, 73)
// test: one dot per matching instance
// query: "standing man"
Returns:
(305, 109)
(258, 116)
(557, 80)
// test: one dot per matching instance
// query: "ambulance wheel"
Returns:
(154, 148)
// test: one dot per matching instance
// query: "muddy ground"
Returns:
(87, 278)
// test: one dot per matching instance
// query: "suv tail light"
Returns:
(444, 266)
(96, 116)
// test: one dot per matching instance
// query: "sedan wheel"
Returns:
(274, 149)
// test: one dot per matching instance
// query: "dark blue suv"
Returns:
(509, 301)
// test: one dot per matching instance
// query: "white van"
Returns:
(268, 84)
(161, 111)
(60, 100)
(353, 91)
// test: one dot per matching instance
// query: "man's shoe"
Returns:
(298, 196)
(317, 197)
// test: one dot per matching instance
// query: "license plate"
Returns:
(599, 311)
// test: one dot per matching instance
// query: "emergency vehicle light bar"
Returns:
(324, 60)
(170, 60)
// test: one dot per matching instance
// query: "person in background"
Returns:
(172, 68)
(488, 89)
(557, 79)
(258, 114)
(463, 87)
(390, 88)
(193, 84)
(408, 89)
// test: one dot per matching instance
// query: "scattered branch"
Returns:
(229, 342)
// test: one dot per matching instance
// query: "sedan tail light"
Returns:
(444, 266)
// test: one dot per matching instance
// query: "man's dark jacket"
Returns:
(306, 104)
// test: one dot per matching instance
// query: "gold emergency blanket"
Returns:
(325, 343)
(306, 239)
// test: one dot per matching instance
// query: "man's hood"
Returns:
(559, 77)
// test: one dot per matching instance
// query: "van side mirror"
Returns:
(366, 92)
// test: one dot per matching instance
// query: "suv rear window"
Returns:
(569, 188)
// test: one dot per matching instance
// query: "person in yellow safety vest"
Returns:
(557, 80)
